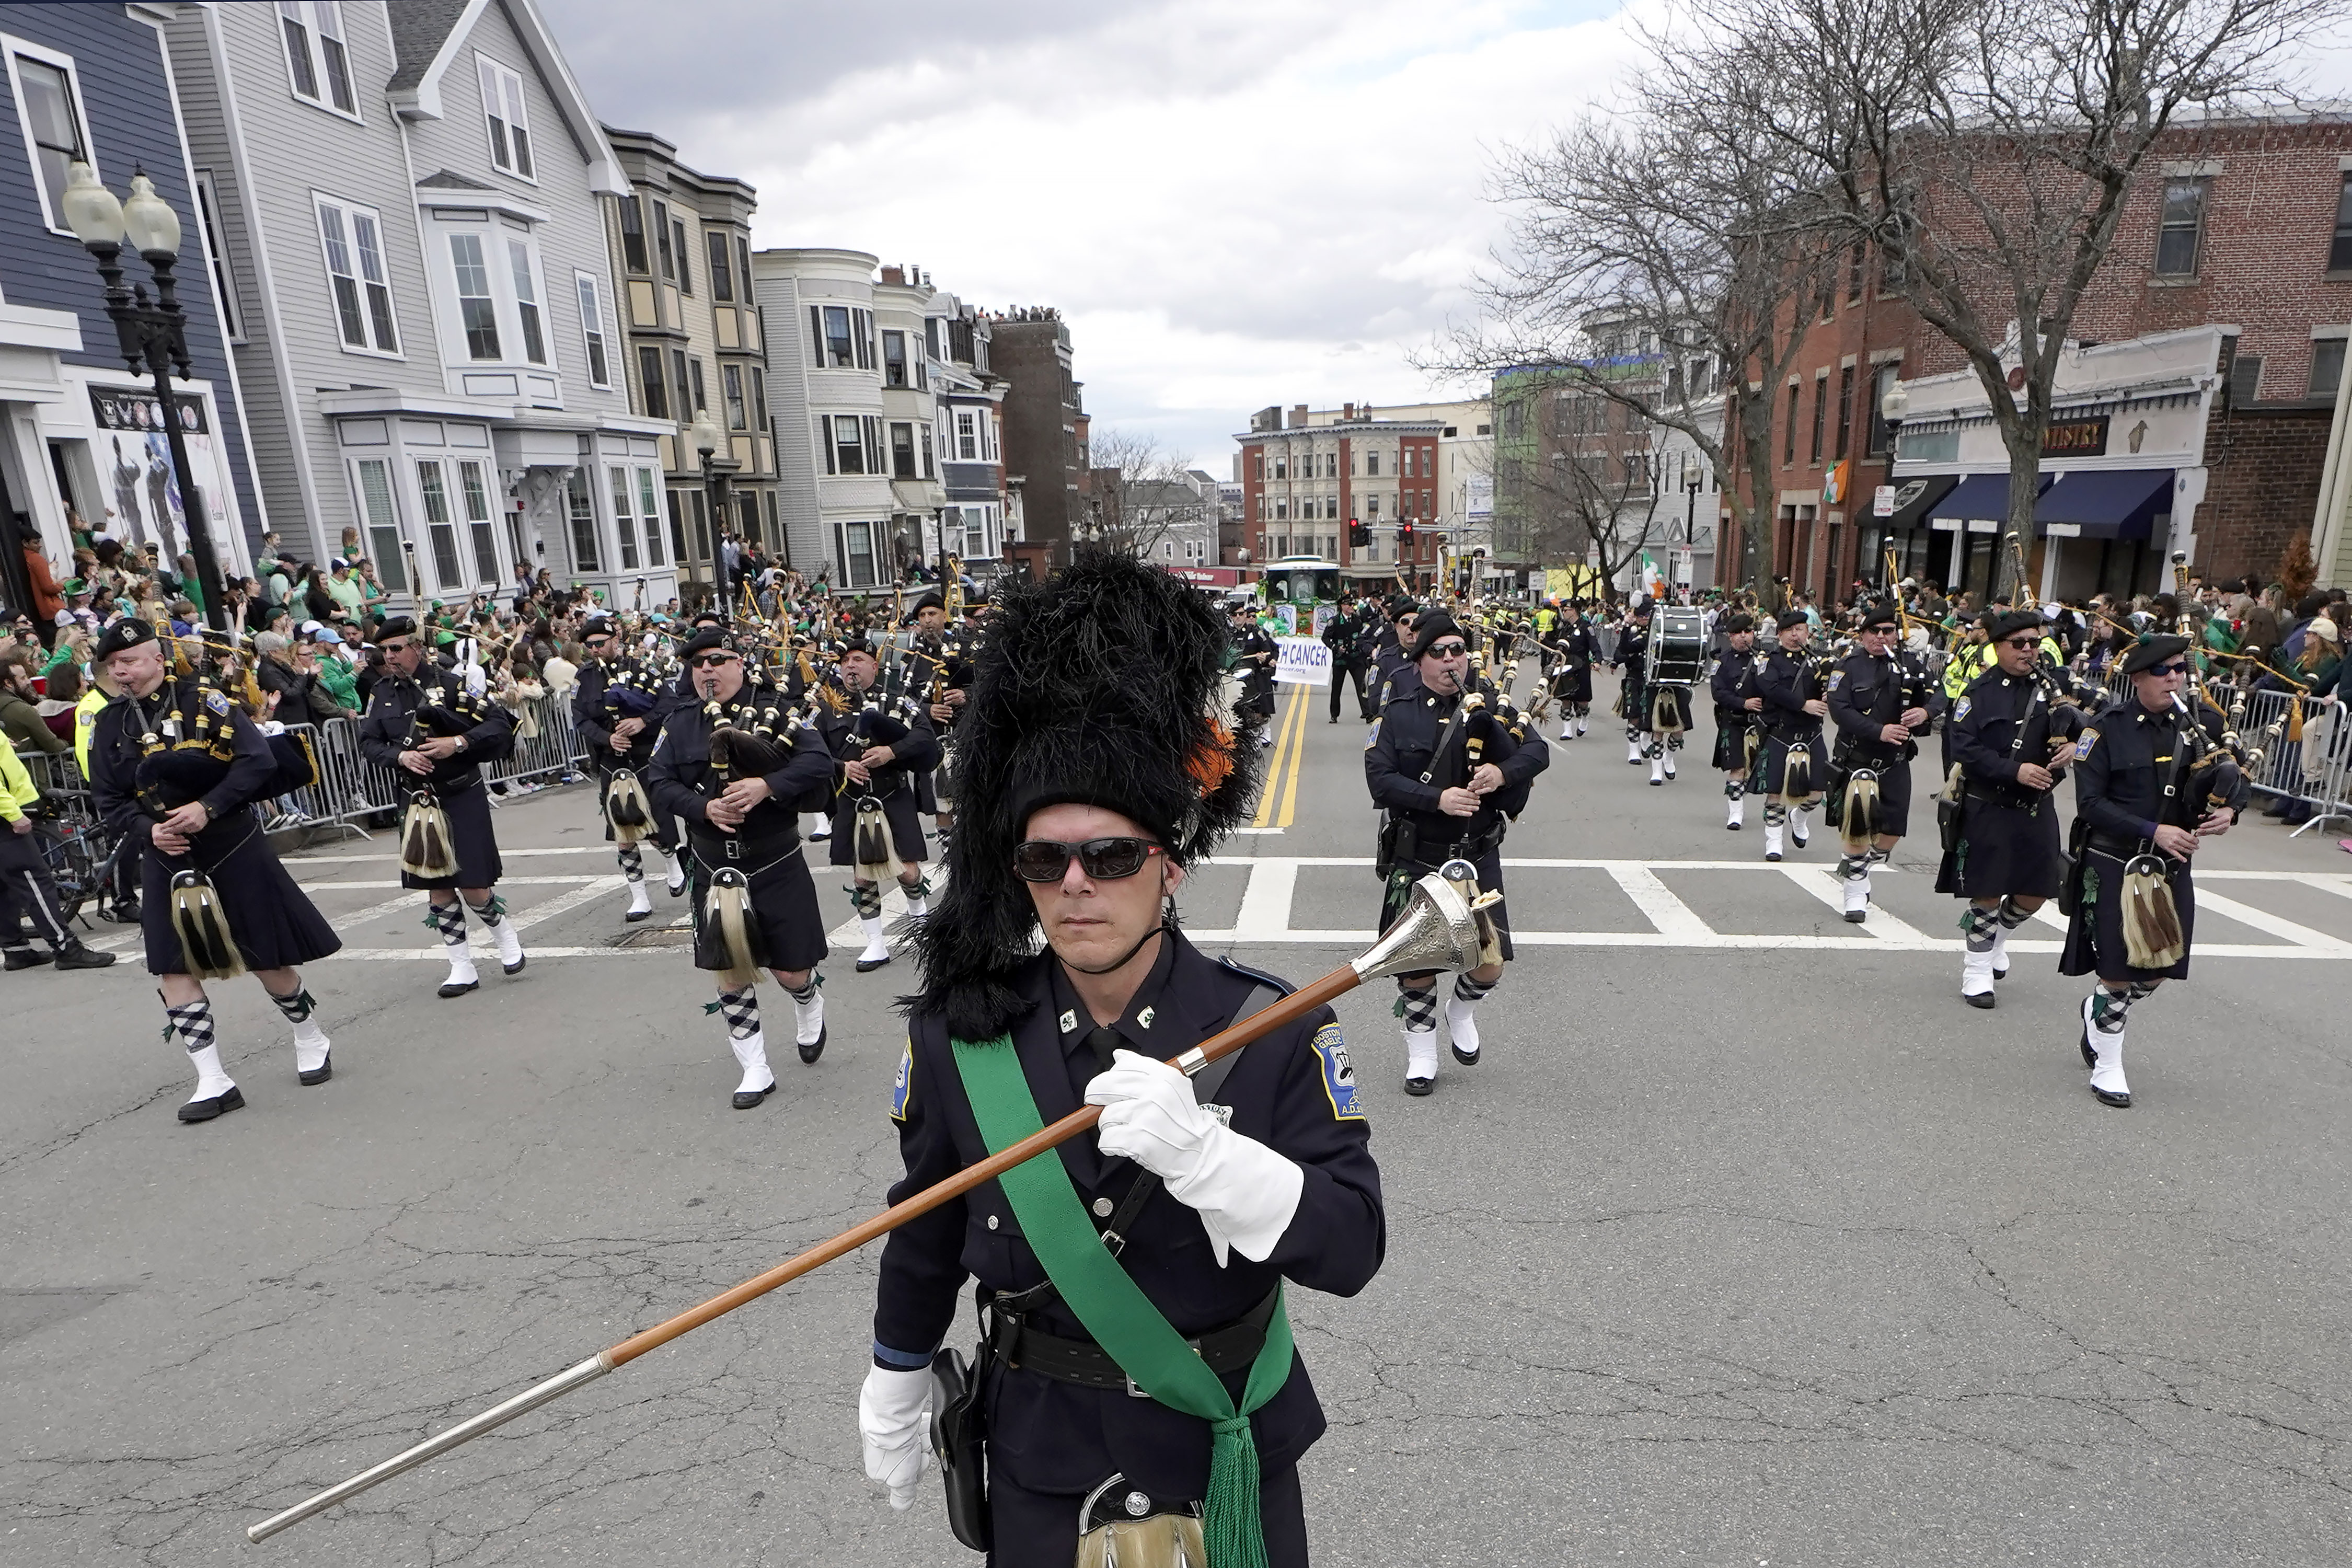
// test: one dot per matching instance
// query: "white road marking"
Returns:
(1822, 882)
(1266, 902)
(1675, 920)
(2262, 921)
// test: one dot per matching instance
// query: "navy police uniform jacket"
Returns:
(872, 721)
(1785, 681)
(1868, 692)
(1732, 684)
(1291, 1090)
(2009, 831)
(1401, 749)
(384, 729)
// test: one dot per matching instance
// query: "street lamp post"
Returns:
(1892, 406)
(705, 435)
(154, 337)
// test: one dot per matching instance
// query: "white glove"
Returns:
(1244, 1193)
(894, 1413)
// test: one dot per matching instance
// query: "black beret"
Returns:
(1879, 615)
(2001, 628)
(930, 601)
(706, 639)
(848, 645)
(128, 631)
(1787, 618)
(1737, 624)
(395, 626)
(1437, 624)
(2153, 650)
(706, 618)
(596, 626)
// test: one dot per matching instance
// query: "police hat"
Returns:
(1437, 624)
(705, 641)
(595, 626)
(1883, 615)
(1737, 624)
(706, 618)
(1787, 618)
(930, 601)
(128, 631)
(393, 626)
(1999, 629)
(2153, 650)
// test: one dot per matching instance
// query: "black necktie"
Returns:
(1103, 1042)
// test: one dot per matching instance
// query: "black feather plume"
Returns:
(1099, 686)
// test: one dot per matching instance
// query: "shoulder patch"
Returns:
(905, 1081)
(217, 703)
(1837, 679)
(2082, 744)
(1373, 735)
(1338, 1074)
(1961, 711)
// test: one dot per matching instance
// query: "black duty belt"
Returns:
(2115, 849)
(1229, 1349)
(748, 855)
(1433, 850)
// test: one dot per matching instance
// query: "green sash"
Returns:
(1115, 1310)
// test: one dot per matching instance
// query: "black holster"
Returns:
(960, 1439)
(2070, 888)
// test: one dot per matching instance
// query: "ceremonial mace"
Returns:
(1440, 929)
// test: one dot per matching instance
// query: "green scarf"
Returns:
(1115, 1310)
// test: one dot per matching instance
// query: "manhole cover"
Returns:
(659, 936)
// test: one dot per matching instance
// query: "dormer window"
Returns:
(316, 61)
(508, 119)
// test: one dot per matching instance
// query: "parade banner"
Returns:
(1301, 661)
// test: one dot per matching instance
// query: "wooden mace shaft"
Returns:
(1288, 1010)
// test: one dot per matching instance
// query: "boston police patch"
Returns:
(904, 1083)
(1962, 710)
(1837, 679)
(1373, 735)
(217, 702)
(1338, 1076)
(2083, 743)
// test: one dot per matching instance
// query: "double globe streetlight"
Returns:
(153, 336)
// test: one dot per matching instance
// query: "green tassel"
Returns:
(1231, 1527)
(709, 1008)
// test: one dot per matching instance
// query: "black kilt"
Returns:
(898, 809)
(791, 932)
(664, 833)
(1572, 682)
(274, 922)
(1894, 813)
(1731, 727)
(2094, 937)
(1397, 891)
(1772, 764)
(1647, 714)
(2003, 850)
(472, 841)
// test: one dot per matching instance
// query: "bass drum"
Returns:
(1677, 646)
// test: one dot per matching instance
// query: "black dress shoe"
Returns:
(206, 1109)
(868, 965)
(313, 1077)
(633, 916)
(517, 966)
(1981, 999)
(1419, 1085)
(2120, 1101)
(1732, 827)
(1467, 1058)
(80, 957)
(2000, 974)
(751, 1099)
(451, 988)
(1855, 917)
(25, 958)
(815, 1049)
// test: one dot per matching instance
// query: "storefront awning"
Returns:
(2105, 503)
(1913, 498)
(1978, 504)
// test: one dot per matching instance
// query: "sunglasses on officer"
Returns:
(710, 660)
(2022, 644)
(1104, 860)
(2177, 667)
(1448, 650)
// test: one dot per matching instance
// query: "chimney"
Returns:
(1347, 410)
(892, 275)
(1298, 417)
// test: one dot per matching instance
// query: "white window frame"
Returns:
(47, 57)
(311, 16)
(650, 489)
(588, 289)
(319, 202)
(392, 565)
(225, 295)
(522, 156)
(522, 267)
(506, 335)
(441, 533)
(622, 483)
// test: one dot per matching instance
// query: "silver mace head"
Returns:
(1436, 931)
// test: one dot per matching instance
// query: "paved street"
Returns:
(1748, 1243)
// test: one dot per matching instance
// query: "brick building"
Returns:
(1045, 431)
(2246, 227)
(1307, 475)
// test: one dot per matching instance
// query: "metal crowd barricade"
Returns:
(59, 780)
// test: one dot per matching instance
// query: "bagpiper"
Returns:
(424, 725)
(1791, 717)
(1451, 767)
(1138, 1397)
(1880, 705)
(1732, 685)
(177, 768)
(2152, 783)
(879, 739)
(619, 703)
(736, 768)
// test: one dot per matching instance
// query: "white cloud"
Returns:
(1233, 205)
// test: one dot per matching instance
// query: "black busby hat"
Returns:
(703, 641)
(1099, 686)
(1787, 618)
(2000, 628)
(128, 631)
(2152, 650)
(1879, 616)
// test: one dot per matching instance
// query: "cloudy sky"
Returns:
(1233, 204)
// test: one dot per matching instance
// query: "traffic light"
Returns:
(1405, 536)
(1358, 534)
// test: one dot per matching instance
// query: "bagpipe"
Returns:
(428, 850)
(635, 690)
(751, 737)
(1796, 789)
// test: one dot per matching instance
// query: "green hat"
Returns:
(444, 638)
(73, 585)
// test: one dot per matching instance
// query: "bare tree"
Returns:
(1147, 494)
(1987, 148)
(1667, 235)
